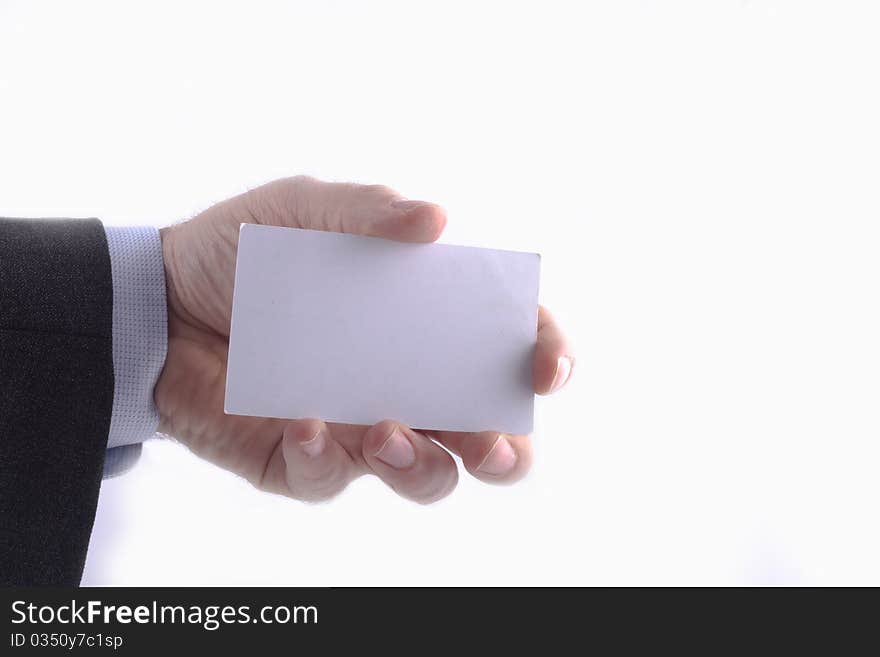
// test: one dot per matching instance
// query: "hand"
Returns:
(308, 459)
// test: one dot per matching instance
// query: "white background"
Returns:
(700, 177)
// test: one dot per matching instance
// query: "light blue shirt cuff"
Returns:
(140, 340)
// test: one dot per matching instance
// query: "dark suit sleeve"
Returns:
(56, 394)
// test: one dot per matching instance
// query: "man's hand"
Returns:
(308, 459)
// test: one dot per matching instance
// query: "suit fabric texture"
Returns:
(56, 394)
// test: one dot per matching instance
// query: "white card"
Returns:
(358, 329)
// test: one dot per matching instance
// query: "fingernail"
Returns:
(396, 451)
(315, 445)
(500, 459)
(405, 204)
(563, 371)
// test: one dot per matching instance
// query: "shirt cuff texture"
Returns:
(140, 331)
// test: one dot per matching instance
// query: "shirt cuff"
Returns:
(140, 334)
(120, 460)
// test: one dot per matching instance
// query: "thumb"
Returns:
(375, 210)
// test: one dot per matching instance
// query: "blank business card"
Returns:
(358, 329)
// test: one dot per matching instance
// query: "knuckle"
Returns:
(300, 180)
(380, 190)
(317, 491)
(317, 484)
(434, 488)
(328, 472)
(323, 493)
(284, 200)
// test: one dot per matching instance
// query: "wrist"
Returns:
(167, 238)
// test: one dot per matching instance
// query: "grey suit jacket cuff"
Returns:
(140, 340)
